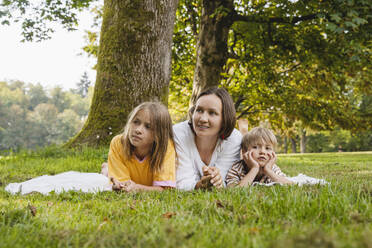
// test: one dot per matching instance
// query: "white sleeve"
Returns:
(186, 174)
(230, 153)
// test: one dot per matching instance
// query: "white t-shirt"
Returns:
(189, 164)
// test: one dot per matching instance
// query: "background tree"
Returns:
(83, 85)
(28, 119)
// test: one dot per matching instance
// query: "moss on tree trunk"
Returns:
(211, 54)
(134, 65)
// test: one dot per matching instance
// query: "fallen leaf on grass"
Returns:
(32, 209)
(105, 220)
(168, 215)
(189, 235)
(254, 230)
(49, 204)
(219, 204)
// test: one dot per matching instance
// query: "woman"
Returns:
(207, 145)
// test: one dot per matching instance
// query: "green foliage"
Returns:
(336, 215)
(36, 17)
(31, 117)
(339, 140)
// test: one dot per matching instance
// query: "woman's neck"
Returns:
(205, 147)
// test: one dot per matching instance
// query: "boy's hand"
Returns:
(249, 161)
(269, 165)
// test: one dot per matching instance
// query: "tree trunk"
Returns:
(303, 141)
(211, 53)
(293, 143)
(285, 144)
(134, 65)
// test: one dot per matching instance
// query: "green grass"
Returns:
(338, 215)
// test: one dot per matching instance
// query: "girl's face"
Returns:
(141, 132)
(207, 117)
(261, 151)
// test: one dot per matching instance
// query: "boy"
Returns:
(258, 163)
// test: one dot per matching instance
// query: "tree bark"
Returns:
(212, 53)
(293, 143)
(134, 65)
(285, 144)
(303, 141)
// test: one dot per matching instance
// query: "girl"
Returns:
(143, 156)
(207, 145)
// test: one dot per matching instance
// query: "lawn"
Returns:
(335, 215)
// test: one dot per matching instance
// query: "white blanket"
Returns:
(71, 180)
(94, 182)
(299, 180)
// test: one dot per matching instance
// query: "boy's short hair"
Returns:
(257, 135)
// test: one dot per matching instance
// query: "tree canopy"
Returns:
(284, 62)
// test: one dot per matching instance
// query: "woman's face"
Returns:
(207, 117)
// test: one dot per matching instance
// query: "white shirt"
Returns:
(189, 164)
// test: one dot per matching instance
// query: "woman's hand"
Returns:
(249, 161)
(204, 182)
(216, 179)
(214, 173)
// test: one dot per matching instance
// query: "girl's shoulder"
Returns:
(116, 140)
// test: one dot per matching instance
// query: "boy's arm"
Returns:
(275, 176)
(254, 168)
(248, 179)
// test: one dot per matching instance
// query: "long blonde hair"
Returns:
(161, 125)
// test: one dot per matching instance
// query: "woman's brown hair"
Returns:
(161, 125)
(228, 110)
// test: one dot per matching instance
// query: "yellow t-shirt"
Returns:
(139, 171)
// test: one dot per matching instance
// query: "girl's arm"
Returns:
(130, 186)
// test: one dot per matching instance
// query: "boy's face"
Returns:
(261, 152)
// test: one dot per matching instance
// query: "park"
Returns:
(300, 68)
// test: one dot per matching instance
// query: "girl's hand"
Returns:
(116, 185)
(249, 161)
(269, 165)
(130, 186)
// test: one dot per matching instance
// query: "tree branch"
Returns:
(288, 20)
(246, 111)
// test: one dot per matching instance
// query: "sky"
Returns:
(54, 62)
